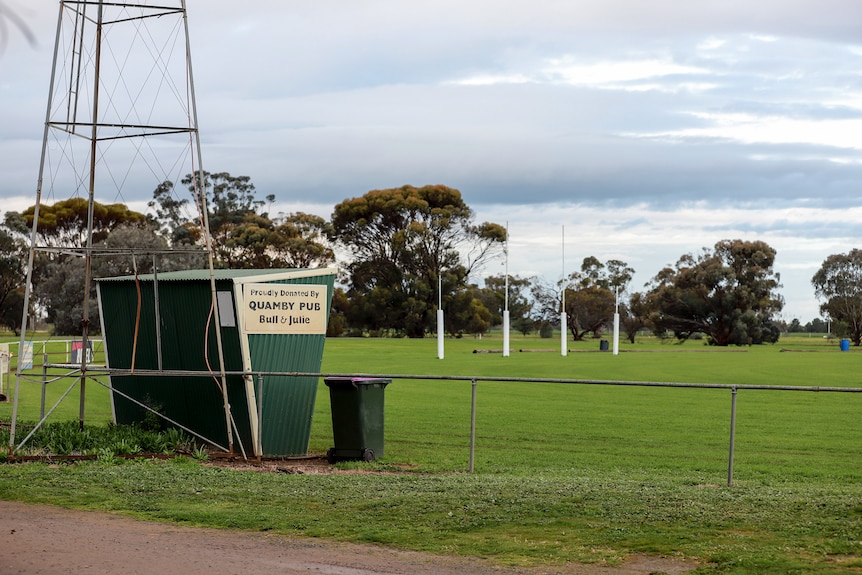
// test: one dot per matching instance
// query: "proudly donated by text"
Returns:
(299, 309)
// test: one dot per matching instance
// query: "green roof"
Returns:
(223, 274)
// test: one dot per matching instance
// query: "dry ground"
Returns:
(45, 540)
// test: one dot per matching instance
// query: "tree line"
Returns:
(401, 252)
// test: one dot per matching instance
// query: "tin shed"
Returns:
(271, 321)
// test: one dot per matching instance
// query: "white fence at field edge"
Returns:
(40, 353)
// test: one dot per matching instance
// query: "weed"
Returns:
(176, 441)
(66, 438)
(151, 421)
(201, 453)
(107, 457)
(125, 447)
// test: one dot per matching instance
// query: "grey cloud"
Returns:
(322, 101)
(800, 230)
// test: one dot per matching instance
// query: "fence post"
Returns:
(259, 447)
(732, 436)
(473, 428)
(44, 380)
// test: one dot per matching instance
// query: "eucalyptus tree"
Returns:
(58, 274)
(405, 246)
(519, 302)
(838, 283)
(127, 250)
(590, 295)
(301, 240)
(65, 223)
(729, 294)
(244, 235)
(634, 315)
(13, 255)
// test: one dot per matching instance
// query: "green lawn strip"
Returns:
(516, 519)
(547, 426)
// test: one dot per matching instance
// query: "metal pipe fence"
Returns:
(474, 381)
(40, 355)
(259, 378)
(733, 388)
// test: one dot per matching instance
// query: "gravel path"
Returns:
(40, 539)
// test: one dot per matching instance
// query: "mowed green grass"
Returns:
(97, 406)
(526, 425)
(565, 473)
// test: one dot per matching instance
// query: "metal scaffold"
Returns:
(121, 119)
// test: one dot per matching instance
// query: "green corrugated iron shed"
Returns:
(271, 321)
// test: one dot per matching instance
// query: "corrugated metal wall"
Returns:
(195, 402)
(288, 402)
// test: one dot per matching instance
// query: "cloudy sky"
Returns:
(647, 128)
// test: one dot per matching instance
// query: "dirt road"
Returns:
(44, 540)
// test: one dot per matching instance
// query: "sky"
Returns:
(620, 129)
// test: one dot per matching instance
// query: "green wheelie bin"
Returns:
(357, 417)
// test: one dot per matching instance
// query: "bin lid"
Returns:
(356, 381)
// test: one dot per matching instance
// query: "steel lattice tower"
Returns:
(121, 119)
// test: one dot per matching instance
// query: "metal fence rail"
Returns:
(43, 354)
(474, 381)
(734, 388)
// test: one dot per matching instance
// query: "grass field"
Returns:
(564, 472)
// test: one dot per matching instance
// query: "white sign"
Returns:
(4, 359)
(284, 308)
(26, 356)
